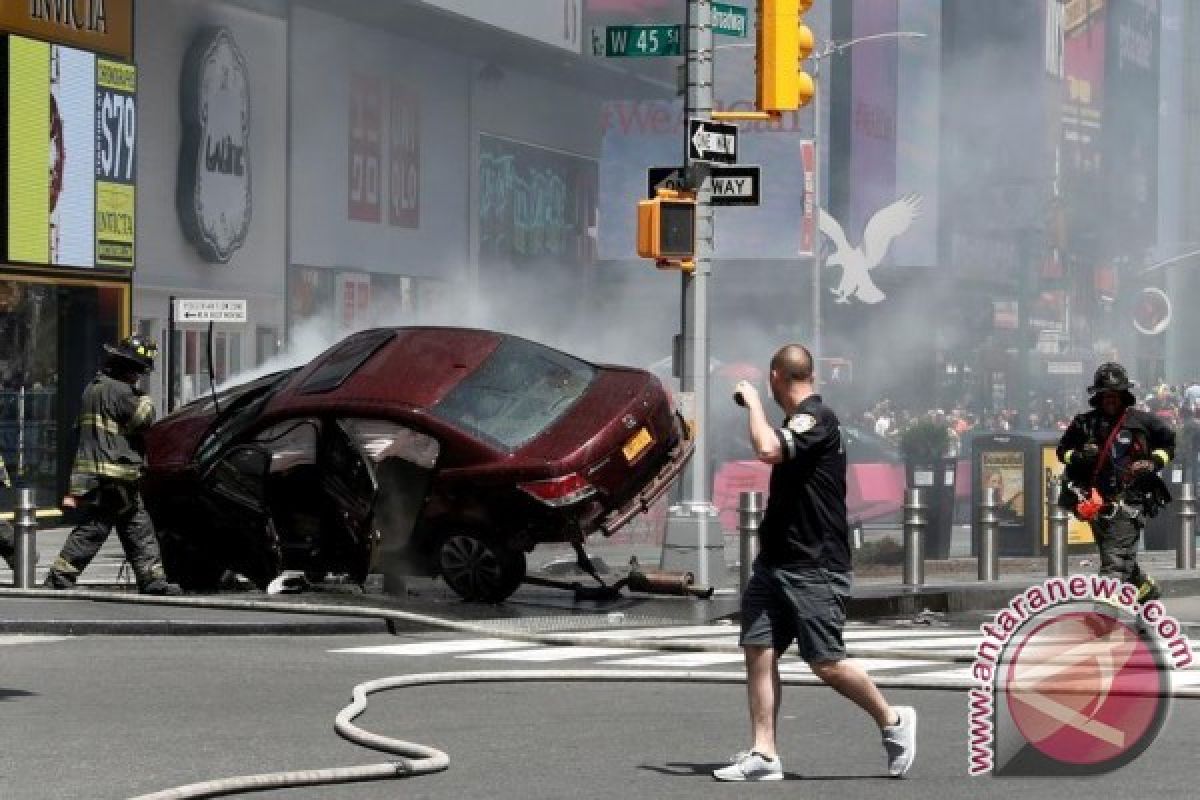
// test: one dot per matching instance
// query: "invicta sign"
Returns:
(101, 26)
(81, 15)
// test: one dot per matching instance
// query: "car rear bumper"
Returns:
(658, 485)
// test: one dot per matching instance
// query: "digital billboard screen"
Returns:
(72, 125)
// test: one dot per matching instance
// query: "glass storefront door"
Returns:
(51, 334)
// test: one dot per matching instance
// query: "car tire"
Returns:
(188, 565)
(479, 569)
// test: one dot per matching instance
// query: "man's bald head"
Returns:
(793, 363)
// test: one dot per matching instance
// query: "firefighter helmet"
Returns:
(1111, 377)
(136, 349)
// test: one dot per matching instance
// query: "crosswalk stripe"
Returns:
(679, 660)
(438, 648)
(660, 633)
(952, 642)
(30, 638)
(546, 654)
(907, 635)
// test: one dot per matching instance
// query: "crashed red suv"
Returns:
(406, 450)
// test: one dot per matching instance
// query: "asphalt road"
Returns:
(113, 717)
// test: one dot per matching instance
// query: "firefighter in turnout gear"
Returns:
(1113, 455)
(108, 466)
(7, 535)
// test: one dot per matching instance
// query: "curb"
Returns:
(166, 627)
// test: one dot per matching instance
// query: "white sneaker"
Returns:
(751, 766)
(900, 742)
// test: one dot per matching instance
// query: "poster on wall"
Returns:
(404, 158)
(353, 299)
(364, 168)
(1005, 470)
(1078, 531)
(72, 133)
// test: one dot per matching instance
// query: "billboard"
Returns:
(1130, 133)
(535, 204)
(116, 165)
(70, 156)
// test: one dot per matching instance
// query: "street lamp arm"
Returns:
(1170, 261)
(830, 48)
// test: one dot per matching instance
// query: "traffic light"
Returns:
(666, 228)
(783, 42)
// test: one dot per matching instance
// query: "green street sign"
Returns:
(729, 20)
(623, 41)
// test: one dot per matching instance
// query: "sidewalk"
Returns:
(950, 587)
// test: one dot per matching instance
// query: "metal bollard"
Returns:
(1056, 555)
(989, 528)
(25, 544)
(1185, 552)
(916, 521)
(750, 513)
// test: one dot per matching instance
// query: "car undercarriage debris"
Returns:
(677, 584)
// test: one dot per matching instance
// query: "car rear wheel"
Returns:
(478, 569)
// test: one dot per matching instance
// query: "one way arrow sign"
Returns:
(731, 186)
(712, 141)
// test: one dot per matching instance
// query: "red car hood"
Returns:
(171, 442)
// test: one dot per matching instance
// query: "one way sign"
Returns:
(712, 141)
(731, 186)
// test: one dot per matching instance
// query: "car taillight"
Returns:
(559, 491)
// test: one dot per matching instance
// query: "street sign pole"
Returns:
(817, 236)
(693, 537)
(172, 354)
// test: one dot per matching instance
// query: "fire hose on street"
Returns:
(412, 758)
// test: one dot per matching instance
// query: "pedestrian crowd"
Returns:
(1176, 404)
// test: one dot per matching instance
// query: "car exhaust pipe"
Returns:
(680, 584)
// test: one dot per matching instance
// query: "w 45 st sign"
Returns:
(624, 41)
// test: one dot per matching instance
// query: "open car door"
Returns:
(378, 476)
(246, 542)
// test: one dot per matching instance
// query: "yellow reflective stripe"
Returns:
(127, 472)
(101, 423)
(1067, 456)
(1163, 456)
(143, 414)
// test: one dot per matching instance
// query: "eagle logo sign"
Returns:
(857, 262)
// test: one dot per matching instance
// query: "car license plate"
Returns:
(637, 444)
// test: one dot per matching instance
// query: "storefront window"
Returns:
(192, 375)
(50, 344)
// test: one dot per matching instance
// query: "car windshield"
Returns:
(240, 407)
(518, 392)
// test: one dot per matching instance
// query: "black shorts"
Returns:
(807, 606)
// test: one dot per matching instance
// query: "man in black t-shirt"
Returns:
(802, 577)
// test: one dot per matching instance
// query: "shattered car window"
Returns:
(518, 392)
(381, 440)
(291, 444)
(240, 413)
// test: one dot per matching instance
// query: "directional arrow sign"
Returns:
(206, 310)
(731, 186)
(712, 141)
